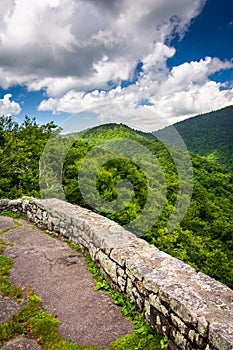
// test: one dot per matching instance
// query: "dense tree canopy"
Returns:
(20, 149)
(204, 237)
(208, 135)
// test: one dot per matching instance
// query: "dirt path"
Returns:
(60, 277)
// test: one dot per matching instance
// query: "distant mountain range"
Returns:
(209, 135)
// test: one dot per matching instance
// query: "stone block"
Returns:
(140, 287)
(207, 283)
(121, 283)
(92, 251)
(39, 214)
(155, 301)
(157, 279)
(15, 203)
(191, 335)
(221, 336)
(200, 341)
(121, 254)
(179, 339)
(121, 272)
(146, 310)
(25, 204)
(202, 326)
(137, 268)
(130, 275)
(180, 325)
(129, 290)
(183, 300)
(174, 264)
(108, 265)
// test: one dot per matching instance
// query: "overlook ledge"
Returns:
(194, 310)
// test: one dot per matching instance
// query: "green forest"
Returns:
(209, 135)
(204, 237)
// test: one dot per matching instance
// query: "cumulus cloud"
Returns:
(8, 107)
(73, 49)
(184, 91)
(87, 41)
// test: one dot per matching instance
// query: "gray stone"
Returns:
(147, 310)
(21, 343)
(208, 283)
(121, 272)
(8, 307)
(155, 301)
(39, 214)
(141, 288)
(191, 335)
(50, 225)
(179, 324)
(25, 204)
(177, 265)
(92, 251)
(180, 340)
(129, 289)
(120, 254)
(202, 326)
(137, 268)
(15, 203)
(108, 265)
(130, 275)
(221, 336)
(121, 283)
(153, 281)
(183, 300)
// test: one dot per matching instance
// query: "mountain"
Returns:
(204, 237)
(135, 179)
(209, 135)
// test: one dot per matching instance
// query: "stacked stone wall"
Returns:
(192, 309)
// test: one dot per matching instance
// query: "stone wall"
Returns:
(194, 310)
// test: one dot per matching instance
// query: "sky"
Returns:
(143, 63)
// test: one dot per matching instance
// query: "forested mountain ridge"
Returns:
(203, 239)
(209, 135)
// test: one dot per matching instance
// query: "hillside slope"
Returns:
(204, 237)
(209, 135)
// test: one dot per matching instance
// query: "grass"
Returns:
(5, 284)
(10, 214)
(34, 322)
(5, 264)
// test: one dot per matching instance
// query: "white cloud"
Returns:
(46, 42)
(70, 47)
(187, 74)
(8, 107)
(184, 91)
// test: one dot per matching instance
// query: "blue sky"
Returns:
(140, 63)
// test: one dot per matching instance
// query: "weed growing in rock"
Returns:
(10, 214)
(5, 264)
